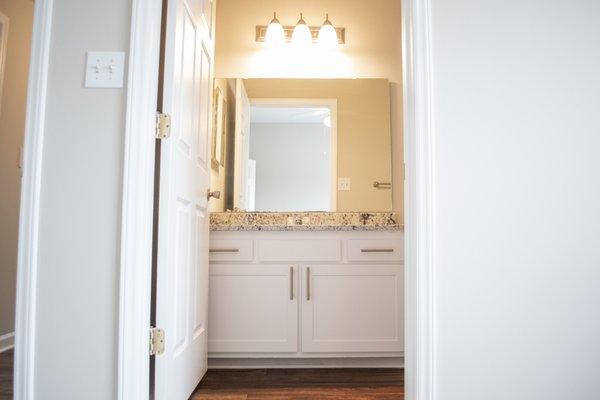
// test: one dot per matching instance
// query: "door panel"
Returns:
(182, 257)
(349, 308)
(253, 308)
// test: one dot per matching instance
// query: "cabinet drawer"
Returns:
(231, 250)
(368, 250)
(299, 250)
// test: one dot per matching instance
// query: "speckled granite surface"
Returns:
(304, 221)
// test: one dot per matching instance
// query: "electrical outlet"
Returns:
(344, 184)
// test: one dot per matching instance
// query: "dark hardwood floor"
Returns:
(276, 384)
(6, 375)
(296, 384)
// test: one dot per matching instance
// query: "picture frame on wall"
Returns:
(219, 129)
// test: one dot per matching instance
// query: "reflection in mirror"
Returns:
(290, 166)
(304, 144)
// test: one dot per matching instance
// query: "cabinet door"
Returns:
(349, 308)
(253, 308)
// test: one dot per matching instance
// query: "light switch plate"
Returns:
(104, 69)
(343, 184)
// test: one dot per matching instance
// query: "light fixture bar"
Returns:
(261, 31)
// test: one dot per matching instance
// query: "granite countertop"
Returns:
(304, 221)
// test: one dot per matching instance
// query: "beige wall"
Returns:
(221, 177)
(373, 50)
(363, 135)
(12, 126)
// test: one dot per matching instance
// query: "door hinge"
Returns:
(163, 126)
(157, 341)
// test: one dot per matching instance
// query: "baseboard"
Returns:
(253, 363)
(7, 342)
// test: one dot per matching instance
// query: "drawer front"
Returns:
(231, 250)
(368, 250)
(293, 250)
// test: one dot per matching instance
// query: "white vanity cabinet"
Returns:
(306, 294)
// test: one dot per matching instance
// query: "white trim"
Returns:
(419, 199)
(4, 24)
(332, 104)
(7, 342)
(30, 202)
(314, 362)
(138, 192)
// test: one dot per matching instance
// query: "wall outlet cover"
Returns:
(344, 184)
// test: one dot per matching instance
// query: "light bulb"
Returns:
(327, 34)
(301, 35)
(275, 35)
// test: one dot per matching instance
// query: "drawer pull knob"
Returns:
(224, 250)
(377, 250)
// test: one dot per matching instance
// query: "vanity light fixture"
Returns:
(327, 34)
(301, 35)
(275, 35)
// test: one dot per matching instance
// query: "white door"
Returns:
(351, 308)
(183, 223)
(242, 146)
(253, 309)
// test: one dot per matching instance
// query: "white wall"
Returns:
(293, 166)
(517, 190)
(12, 126)
(77, 283)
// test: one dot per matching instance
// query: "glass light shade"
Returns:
(301, 35)
(327, 35)
(275, 35)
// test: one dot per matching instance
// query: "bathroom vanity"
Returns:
(308, 288)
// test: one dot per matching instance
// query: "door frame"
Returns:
(138, 200)
(332, 104)
(31, 185)
(419, 199)
(136, 239)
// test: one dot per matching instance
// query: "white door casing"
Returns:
(183, 223)
(242, 146)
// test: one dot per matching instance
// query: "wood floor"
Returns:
(276, 384)
(297, 384)
(6, 375)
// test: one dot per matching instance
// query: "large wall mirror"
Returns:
(303, 144)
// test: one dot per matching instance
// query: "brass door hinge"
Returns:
(157, 341)
(163, 126)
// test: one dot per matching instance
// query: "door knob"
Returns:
(216, 194)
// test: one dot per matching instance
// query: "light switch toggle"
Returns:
(104, 69)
